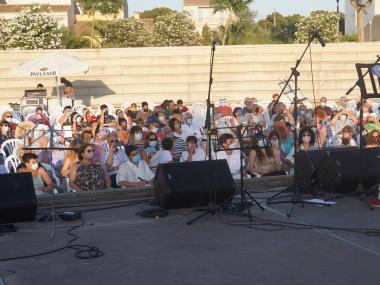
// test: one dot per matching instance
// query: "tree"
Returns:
(175, 29)
(360, 10)
(31, 30)
(233, 7)
(285, 28)
(206, 36)
(70, 40)
(156, 12)
(104, 7)
(127, 33)
(323, 21)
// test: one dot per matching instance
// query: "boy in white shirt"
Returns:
(193, 153)
(135, 172)
(165, 155)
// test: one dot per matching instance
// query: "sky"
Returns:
(262, 7)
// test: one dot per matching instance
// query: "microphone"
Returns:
(317, 35)
(216, 41)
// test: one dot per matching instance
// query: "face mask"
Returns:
(306, 139)
(154, 130)
(91, 141)
(153, 143)
(274, 142)
(144, 129)
(79, 119)
(222, 103)
(366, 114)
(302, 112)
(5, 129)
(346, 141)
(323, 104)
(8, 120)
(136, 158)
(231, 146)
(308, 115)
(189, 121)
(343, 117)
(90, 156)
(34, 166)
(138, 136)
(151, 149)
(261, 143)
(161, 118)
(314, 130)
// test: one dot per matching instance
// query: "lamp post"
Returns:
(337, 22)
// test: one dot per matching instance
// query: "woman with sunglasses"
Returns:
(4, 132)
(306, 140)
(87, 175)
(8, 116)
(152, 147)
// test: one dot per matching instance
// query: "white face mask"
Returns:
(161, 118)
(261, 143)
(91, 141)
(90, 156)
(232, 146)
(153, 143)
(34, 166)
(138, 136)
(144, 129)
(5, 129)
(8, 120)
(323, 104)
(274, 142)
(154, 130)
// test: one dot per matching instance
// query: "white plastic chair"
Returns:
(11, 163)
(111, 109)
(18, 115)
(8, 147)
(196, 107)
(55, 108)
(78, 108)
(29, 110)
(332, 105)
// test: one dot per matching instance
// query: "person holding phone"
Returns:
(193, 152)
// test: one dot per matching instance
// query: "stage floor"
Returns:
(143, 251)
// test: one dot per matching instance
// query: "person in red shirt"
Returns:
(39, 117)
(223, 109)
(181, 107)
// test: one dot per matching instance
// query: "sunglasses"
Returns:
(154, 139)
(306, 135)
(90, 150)
(9, 116)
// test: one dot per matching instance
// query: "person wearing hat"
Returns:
(135, 172)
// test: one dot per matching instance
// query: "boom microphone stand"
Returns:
(295, 187)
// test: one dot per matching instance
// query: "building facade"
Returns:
(202, 14)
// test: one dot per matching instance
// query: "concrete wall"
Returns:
(136, 74)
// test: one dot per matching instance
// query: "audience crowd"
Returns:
(122, 148)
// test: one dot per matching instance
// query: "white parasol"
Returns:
(51, 65)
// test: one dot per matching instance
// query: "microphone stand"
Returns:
(295, 188)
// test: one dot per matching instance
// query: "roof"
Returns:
(196, 3)
(7, 8)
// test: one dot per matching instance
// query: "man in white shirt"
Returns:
(193, 153)
(135, 172)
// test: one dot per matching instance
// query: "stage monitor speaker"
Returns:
(190, 184)
(308, 162)
(340, 169)
(17, 198)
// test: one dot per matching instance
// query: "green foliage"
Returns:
(156, 12)
(349, 38)
(323, 21)
(104, 7)
(70, 40)
(175, 29)
(285, 29)
(246, 31)
(31, 30)
(207, 35)
(233, 6)
(127, 33)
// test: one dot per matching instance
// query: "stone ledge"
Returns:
(132, 193)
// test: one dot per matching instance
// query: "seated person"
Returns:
(4, 132)
(226, 142)
(144, 113)
(193, 152)
(343, 118)
(166, 153)
(182, 108)
(223, 109)
(306, 140)
(373, 139)
(105, 119)
(86, 174)
(123, 132)
(323, 107)
(39, 117)
(132, 112)
(135, 172)
(345, 138)
(8, 116)
(261, 159)
(41, 179)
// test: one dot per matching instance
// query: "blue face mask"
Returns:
(189, 121)
(136, 158)
(151, 149)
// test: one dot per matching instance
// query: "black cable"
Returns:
(81, 251)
